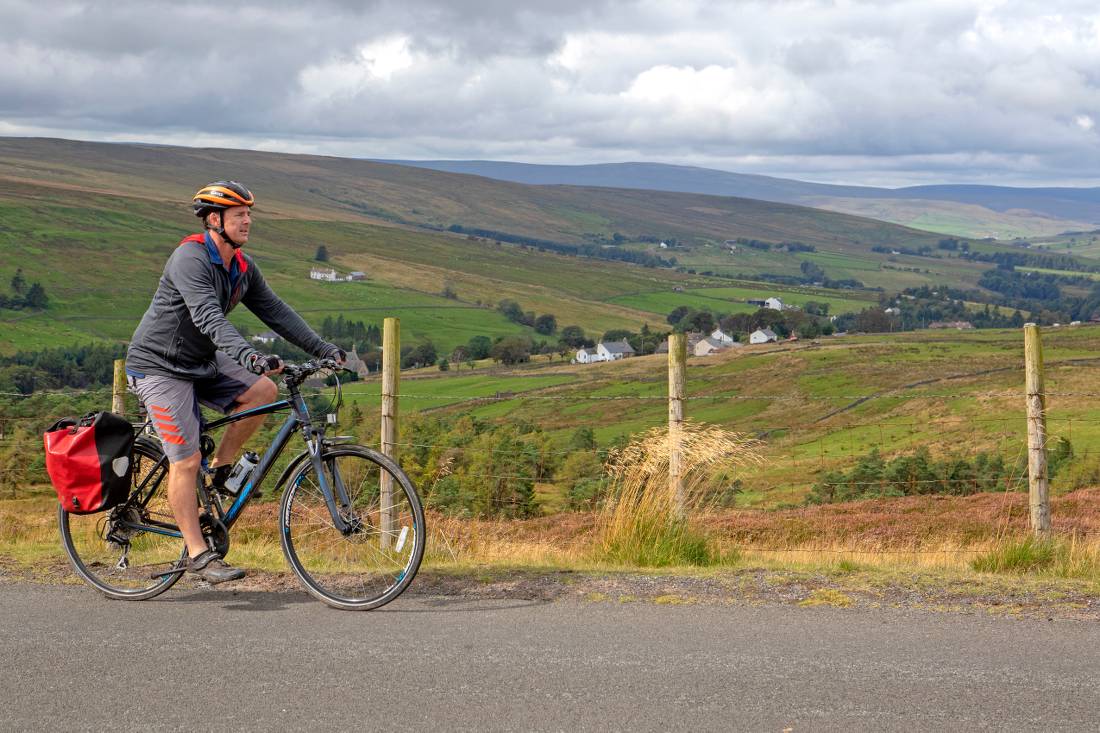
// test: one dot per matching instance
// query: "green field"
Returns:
(955, 393)
(732, 299)
(82, 252)
(1066, 273)
(99, 254)
(348, 193)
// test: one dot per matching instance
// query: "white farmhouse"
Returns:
(707, 346)
(586, 356)
(774, 303)
(613, 350)
(265, 337)
(326, 275)
(762, 336)
(721, 337)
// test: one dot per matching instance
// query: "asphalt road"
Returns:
(213, 659)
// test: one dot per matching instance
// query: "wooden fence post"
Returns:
(677, 374)
(391, 378)
(118, 388)
(1038, 481)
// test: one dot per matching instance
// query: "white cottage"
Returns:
(587, 356)
(708, 346)
(774, 303)
(326, 275)
(721, 337)
(762, 336)
(614, 350)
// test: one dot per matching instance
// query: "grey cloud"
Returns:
(902, 88)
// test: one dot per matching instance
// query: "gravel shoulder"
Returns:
(930, 591)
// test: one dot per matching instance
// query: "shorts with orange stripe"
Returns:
(173, 403)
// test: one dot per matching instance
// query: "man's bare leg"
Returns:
(262, 392)
(185, 505)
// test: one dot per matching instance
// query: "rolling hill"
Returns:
(93, 222)
(963, 210)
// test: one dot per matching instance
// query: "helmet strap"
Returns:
(220, 230)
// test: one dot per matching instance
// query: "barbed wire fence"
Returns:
(803, 444)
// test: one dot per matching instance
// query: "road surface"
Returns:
(215, 659)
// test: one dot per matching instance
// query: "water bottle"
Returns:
(240, 474)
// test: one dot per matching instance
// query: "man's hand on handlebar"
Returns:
(265, 364)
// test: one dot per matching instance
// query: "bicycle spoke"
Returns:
(362, 565)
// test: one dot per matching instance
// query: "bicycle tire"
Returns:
(96, 560)
(330, 564)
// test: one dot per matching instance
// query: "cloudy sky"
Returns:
(884, 93)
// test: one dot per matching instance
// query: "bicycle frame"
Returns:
(297, 420)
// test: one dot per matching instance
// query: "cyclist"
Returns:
(186, 352)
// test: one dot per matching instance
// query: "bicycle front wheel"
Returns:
(109, 553)
(376, 558)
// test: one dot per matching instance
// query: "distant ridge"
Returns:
(1063, 208)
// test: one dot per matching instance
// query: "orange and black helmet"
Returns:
(219, 196)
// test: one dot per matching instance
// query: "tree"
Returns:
(449, 292)
(583, 438)
(702, 321)
(812, 272)
(546, 324)
(511, 350)
(511, 310)
(573, 336)
(816, 309)
(322, 254)
(618, 334)
(478, 347)
(419, 356)
(677, 314)
(36, 297)
(443, 364)
(874, 320)
(458, 355)
(18, 282)
(583, 474)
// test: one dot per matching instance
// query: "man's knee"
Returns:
(190, 464)
(261, 393)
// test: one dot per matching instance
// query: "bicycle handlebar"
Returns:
(298, 373)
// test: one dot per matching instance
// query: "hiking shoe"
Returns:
(210, 567)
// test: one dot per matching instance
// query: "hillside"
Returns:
(819, 406)
(359, 190)
(963, 210)
(93, 223)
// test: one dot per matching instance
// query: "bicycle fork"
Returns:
(334, 491)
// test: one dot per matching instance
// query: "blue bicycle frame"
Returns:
(297, 420)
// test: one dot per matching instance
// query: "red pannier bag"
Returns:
(89, 461)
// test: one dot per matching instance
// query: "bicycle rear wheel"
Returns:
(117, 560)
(374, 561)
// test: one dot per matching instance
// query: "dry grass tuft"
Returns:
(645, 523)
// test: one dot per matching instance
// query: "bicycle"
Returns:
(351, 524)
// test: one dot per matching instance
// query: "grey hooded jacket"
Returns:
(186, 322)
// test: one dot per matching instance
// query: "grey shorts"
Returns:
(173, 404)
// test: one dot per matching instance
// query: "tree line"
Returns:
(24, 296)
(579, 250)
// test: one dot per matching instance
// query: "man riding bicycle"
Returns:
(186, 352)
